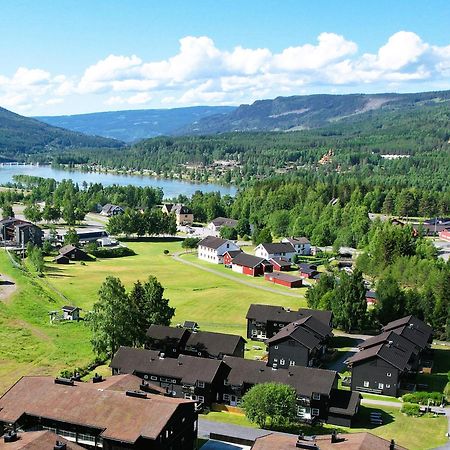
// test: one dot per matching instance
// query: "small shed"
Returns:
(190, 325)
(61, 259)
(284, 279)
(280, 264)
(71, 312)
(73, 253)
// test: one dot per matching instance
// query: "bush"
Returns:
(422, 398)
(411, 409)
(116, 252)
(166, 252)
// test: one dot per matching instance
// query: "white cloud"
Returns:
(202, 73)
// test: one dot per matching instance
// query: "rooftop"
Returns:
(37, 440)
(305, 380)
(118, 416)
(212, 242)
(214, 343)
(411, 328)
(224, 221)
(278, 247)
(163, 332)
(246, 260)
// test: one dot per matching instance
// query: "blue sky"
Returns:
(64, 57)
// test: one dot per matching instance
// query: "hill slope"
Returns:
(309, 111)
(22, 135)
(131, 126)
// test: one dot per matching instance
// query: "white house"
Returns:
(301, 244)
(219, 222)
(276, 250)
(212, 249)
(111, 210)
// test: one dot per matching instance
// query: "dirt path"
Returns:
(7, 288)
(176, 256)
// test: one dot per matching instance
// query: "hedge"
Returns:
(116, 252)
(422, 398)
(411, 409)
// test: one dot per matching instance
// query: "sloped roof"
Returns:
(212, 242)
(186, 368)
(309, 332)
(264, 313)
(411, 328)
(305, 380)
(214, 343)
(283, 277)
(278, 247)
(224, 222)
(246, 260)
(297, 240)
(398, 340)
(69, 248)
(390, 352)
(120, 417)
(280, 261)
(163, 332)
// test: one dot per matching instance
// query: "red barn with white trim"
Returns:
(284, 279)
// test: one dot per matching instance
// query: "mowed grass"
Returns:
(216, 303)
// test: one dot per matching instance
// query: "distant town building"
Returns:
(220, 222)
(301, 245)
(71, 312)
(250, 265)
(183, 214)
(283, 279)
(73, 253)
(111, 210)
(19, 232)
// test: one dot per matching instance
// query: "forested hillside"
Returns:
(21, 135)
(357, 145)
(309, 111)
(130, 126)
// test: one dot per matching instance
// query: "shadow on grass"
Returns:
(344, 341)
(363, 418)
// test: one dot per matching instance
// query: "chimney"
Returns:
(392, 445)
(11, 436)
(334, 438)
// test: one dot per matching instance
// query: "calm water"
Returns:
(171, 188)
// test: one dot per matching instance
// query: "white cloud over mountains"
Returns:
(201, 73)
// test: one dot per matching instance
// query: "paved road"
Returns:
(339, 365)
(176, 256)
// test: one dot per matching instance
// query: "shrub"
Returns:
(116, 252)
(166, 252)
(411, 409)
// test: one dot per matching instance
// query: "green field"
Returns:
(29, 344)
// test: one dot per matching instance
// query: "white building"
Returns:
(301, 244)
(219, 222)
(276, 250)
(212, 249)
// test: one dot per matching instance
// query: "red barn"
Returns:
(284, 279)
(280, 264)
(228, 257)
(250, 265)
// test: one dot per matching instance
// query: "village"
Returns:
(199, 359)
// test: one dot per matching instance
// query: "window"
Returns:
(201, 384)
(153, 378)
(316, 396)
(366, 384)
(380, 385)
(388, 386)
(226, 397)
(276, 347)
(292, 363)
(275, 359)
(389, 374)
(282, 362)
(201, 398)
(315, 412)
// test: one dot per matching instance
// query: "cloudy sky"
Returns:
(69, 57)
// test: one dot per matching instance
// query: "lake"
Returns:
(171, 188)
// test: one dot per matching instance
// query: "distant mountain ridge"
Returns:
(308, 111)
(23, 135)
(134, 125)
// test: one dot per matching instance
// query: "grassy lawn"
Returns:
(29, 344)
(415, 433)
(217, 304)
